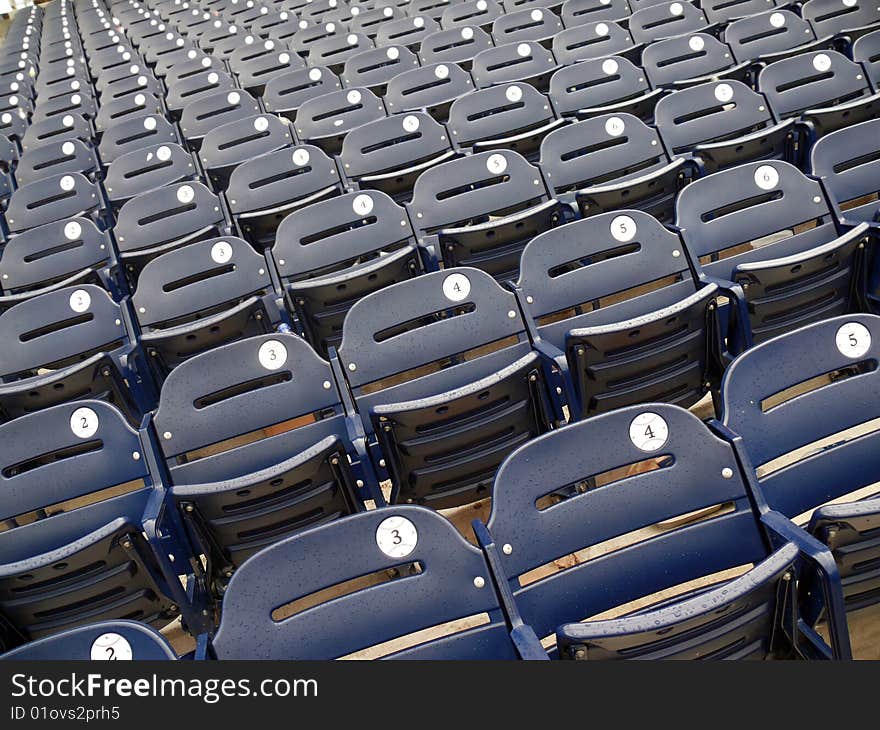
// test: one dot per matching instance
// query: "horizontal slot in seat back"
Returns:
(75, 564)
(527, 61)
(432, 87)
(766, 227)
(603, 85)
(265, 189)
(97, 641)
(435, 584)
(598, 39)
(235, 142)
(145, 169)
(614, 294)
(515, 117)
(159, 220)
(389, 154)
(66, 195)
(325, 120)
(609, 162)
(336, 251)
(482, 209)
(723, 124)
(194, 298)
(557, 503)
(70, 344)
(54, 255)
(804, 405)
(445, 377)
(823, 88)
(253, 434)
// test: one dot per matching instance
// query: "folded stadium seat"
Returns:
(54, 198)
(652, 482)
(389, 154)
(369, 21)
(129, 73)
(241, 15)
(765, 231)
(611, 162)
(78, 102)
(164, 219)
(101, 560)
(336, 251)
(132, 83)
(528, 62)
(14, 101)
(768, 37)
(431, 87)
(56, 255)
(325, 120)
(405, 31)
(456, 45)
(196, 63)
(835, 374)
(110, 57)
(594, 40)
(146, 169)
(128, 107)
(73, 343)
(135, 134)
(334, 50)
(220, 40)
(287, 92)
(15, 124)
(375, 67)
(415, 573)
(55, 158)
(268, 187)
(318, 10)
(105, 640)
(196, 86)
(527, 24)
(309, 34)
(666, 19)
(515, 117)
(255, 436)
(446, 382)
(255, 70)
(866, 50)
(481, 210)
(232, 143)
(723, 12)
(722, 124)
(689, 60)
(616, 306)
(848, 164)
(824, 90)
(165, 53)
(844, 19)
(54, 129)
(222, 292)
(203, 115)
(480, 13)
(601, 86)
(277, 24)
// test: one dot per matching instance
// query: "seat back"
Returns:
(136, 106)
(334, 50)
(373, 68)
(435, 582)
(454, 45)
(205, 114)
(472, 12)
(558, 503)
(105, 640)
(527, 61)
(767, 34)
(528, 24)
(835, 17)
(53, 198)
(287, 92)
(666, 19)
(432, 87)
(596, 39)
(71, 155)
(805, 399)
(409, 31)
(254, 437)
(69, 126)
(190, 88)
(145, 169)
(96, 551)
(325, 120)
(335, 252)
(579, 12)
(685, 60)
(866, 50)
(602, 85)
(442, 372)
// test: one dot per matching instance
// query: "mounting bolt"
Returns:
(360, 483)
(580, 654)
(335, 461)
(126, 544)
(786, 576)
(382, 463)
(189, 508)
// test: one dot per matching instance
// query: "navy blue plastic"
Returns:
(471, 13)
(597, 39)
(204, 115)
(673, 63)
(135, 134)
(316, 118)
(503, 64)
(432, 87)
(866, 50)
(443, 591)
(832, 17)
(655, 22)
(528, 24)
(373, 68)
(45, 201)
(142, 170)
(454, 45)
(756, 38)
(285, 93)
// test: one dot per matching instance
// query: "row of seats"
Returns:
(597, 533)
